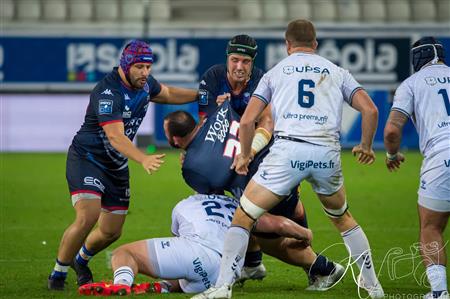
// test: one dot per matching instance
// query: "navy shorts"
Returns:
(88, 180)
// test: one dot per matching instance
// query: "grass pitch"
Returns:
(35, 209)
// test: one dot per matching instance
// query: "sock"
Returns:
(234, 248)
(359, 249)
(84, 256)
(60, 270)
(253, 259)
(437, 277)
(322, 266)
(124, 275)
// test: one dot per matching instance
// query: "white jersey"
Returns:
(424, 97)
(204, 219)
(307, 93)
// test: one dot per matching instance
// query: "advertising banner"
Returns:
(31, 60)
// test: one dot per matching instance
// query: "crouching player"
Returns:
(189, 261)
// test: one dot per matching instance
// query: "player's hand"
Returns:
(365, 154)
(222, 98)
(308, 237)
(394, 163)
(240, 164)
(152, 162)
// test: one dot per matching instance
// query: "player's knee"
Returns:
(111, 235)
(85, 221)
(250, 209)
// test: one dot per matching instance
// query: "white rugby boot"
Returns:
(375, 291)
(222, 292)
(324, 283)
(256, 273)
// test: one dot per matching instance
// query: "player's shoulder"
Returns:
(109, 86)
(215, 71)
(257, 73)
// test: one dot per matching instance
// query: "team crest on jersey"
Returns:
(126, 97)
(146, 87)
(105, 106)
(289, 69)
(203, 97)
(430, 81)
(127, 112)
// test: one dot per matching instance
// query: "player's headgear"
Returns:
(243, 45)
(426, 50)
(134, 52)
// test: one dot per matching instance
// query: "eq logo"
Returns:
(91, 181)
(90, 61)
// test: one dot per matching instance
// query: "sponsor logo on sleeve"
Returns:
(203, 97)
(105, 106)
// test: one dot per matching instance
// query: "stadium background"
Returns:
(53, 51)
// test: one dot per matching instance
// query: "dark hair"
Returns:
(301, 33)
(242, 44)
(425, 50)
(180, 123)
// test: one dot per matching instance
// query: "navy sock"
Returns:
(83, 256)
(253, 259)
(322, 266)
(60, 270)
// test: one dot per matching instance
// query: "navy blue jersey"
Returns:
(214, 83)
(111, 101)
(206, 167)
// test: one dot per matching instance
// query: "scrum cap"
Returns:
(243, 45)
(426, 50)
(134, 52)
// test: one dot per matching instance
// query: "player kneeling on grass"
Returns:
(189, 262)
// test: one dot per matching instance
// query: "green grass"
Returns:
(35, 207)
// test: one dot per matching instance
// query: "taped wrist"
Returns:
(260, 140)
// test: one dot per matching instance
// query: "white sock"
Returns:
(233, 255)
(359, 249)
(437, 277)
(124, 275)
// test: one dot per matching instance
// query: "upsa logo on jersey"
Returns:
(173, 62)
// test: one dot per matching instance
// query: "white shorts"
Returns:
(290, 162)
(437, 205)
(195, 266)
(435, 176)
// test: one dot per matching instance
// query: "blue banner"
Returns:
(180, 59)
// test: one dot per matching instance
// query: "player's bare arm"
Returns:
(283, 226)
(393, 138)
(246, 133)
(362, 102)
(175, 95)
(116, 136)
(264, 130)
